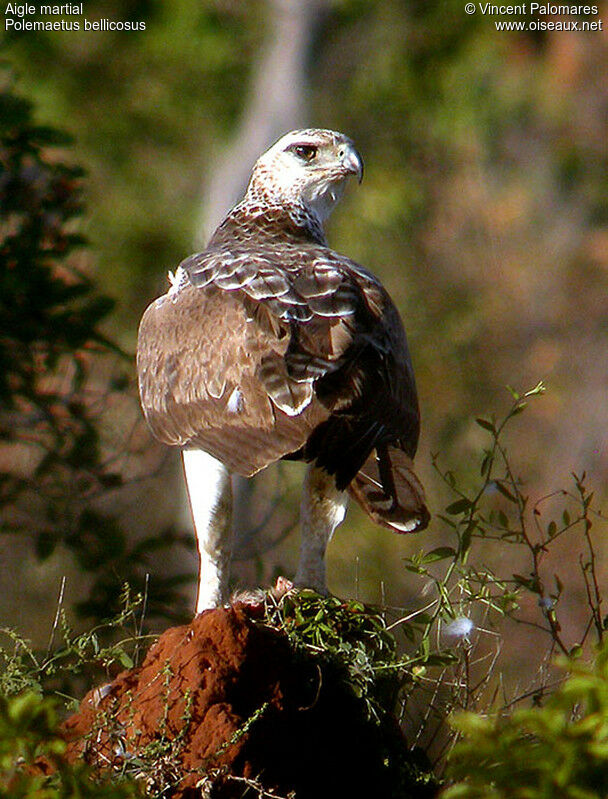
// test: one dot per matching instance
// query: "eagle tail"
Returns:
(388, 490)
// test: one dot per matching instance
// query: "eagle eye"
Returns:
(307, 152)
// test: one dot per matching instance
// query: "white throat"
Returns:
(322, 200)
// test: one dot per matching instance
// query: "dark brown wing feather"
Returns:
(372, 391)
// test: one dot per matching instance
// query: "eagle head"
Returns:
(306, 167)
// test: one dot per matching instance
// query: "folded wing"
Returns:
(259, 356)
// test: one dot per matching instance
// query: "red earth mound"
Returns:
(224, 704)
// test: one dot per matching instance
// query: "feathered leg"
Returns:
(210, 494)
(323, 508)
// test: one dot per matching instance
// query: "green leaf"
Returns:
(486, 424)
(450, 479)
(486, 463)
(467, 535)
(500, 486)
(441, 659)
(527, 582)
(521, 580)
(460, 506)
(440, 553)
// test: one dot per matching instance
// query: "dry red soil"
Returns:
(178, 719)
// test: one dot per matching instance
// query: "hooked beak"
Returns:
(352, 162)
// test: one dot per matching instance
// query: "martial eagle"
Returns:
(270, 345)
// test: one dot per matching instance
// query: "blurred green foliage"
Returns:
(146, 110)
(557, 751)
(57, 370)
(73, 660)
(48, 316)
(31, 757)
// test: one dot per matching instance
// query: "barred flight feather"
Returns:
(400, 507)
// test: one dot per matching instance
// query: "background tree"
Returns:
(60, 375)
